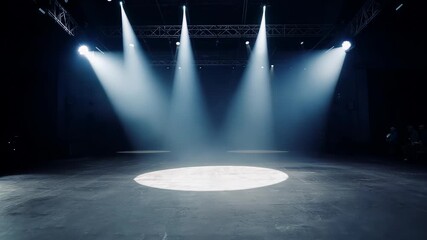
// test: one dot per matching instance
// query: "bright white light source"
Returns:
(302, 43)
(272, 66)
(247, 42)
(263, 8)
(178, 43)
(179, 68)
(262, 66)
(131, 45)
(346, 45)
(398, 7)
(212, 178)
(83, 50)
(121, 3)
(183, 7)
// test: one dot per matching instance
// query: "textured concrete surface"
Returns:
(323, 198)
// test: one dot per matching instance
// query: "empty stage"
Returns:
(284, 197)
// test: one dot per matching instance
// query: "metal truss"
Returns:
(230, 62)
(366, 14)
(225, 31)
(63, 18)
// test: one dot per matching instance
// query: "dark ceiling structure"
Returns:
(219, 28)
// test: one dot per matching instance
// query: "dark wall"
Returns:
(33, 47)
(398, 99)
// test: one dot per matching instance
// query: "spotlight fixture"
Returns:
(263, 8)
(183, 7)
(178, 43)
(272, 66)
(247, 42)
(83, 50)
(302, 43)
(121, 3)
(346, 45)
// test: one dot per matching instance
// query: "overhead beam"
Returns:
(224, 31)
(369, 10)
(62, 17)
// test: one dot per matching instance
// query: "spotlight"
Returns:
(131, 45)
(263, 8)
(302, 43)
(183, 8)
(83, 50)
(109, 0)
(247, 42)
(121, 3)
(346, 45)
(178, 43)
(272, 66)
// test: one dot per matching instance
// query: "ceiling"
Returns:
(94, 15)
(155, 12)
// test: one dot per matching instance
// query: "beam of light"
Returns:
(133, 91)
(188, 126)
(249, 120)
(212, 178)
(146, 105)
(304, 93)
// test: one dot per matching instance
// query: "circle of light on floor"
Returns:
(212, 178)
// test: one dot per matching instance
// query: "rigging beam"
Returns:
(224, 31)
(369, 10)
(62, 17)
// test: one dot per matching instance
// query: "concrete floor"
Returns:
(323, 198)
